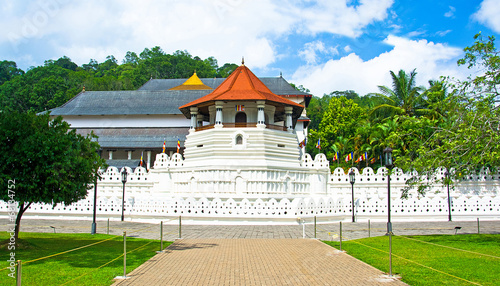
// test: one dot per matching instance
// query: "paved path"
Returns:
(254, 262)
(329, 231)
(255, 254)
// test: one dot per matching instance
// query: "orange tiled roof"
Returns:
(241, 85)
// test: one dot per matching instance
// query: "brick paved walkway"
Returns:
(254, 262)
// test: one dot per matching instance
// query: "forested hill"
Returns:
(51, 85)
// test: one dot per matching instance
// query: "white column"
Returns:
(261, 118)
(289, 122)
(148, 164)
(110, 154)
(218, 112)
(200, 120)
(194, 115)
(129, 154)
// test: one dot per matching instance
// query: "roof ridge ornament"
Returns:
(242, 61)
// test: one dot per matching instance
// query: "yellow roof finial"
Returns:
(242, 61)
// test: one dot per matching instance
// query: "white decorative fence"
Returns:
(170, 189)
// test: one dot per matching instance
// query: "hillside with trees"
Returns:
(57, 81)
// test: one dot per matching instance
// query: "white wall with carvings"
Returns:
(172, 189)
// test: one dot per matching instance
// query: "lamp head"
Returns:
(124, 175)
(352, 177)
(388, 157)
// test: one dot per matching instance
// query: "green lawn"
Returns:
(62, 269)
(478, 265)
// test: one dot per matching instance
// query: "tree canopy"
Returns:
(453, 124)
(57, 81)
(48, 162)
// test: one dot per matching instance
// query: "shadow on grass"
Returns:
(20, 244)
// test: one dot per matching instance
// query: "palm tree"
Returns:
(404, 98)
(435, 99)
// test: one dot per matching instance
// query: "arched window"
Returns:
(241, 117)
(239, 139)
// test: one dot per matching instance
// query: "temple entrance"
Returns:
(241, 117)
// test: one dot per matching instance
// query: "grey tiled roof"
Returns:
(127, 102)
(154, 97)
(148, 138)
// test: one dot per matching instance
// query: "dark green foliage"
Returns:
(56, 82)
(48, 162)
(8, 70)
(450, 124)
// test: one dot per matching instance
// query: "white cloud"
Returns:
(337, 17)
(418, 33)
(311, 50)
(225, 29)
(488, 14)
(450, 12)
(443, 33)
(352, 73)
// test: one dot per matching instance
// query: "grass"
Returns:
(451, 266)
(62, 269)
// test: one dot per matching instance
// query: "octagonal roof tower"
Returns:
(242, 123)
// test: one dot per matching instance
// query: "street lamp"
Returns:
(94, 224)
(389, 166)
(124, 180)
(352, 179)
(447, 178)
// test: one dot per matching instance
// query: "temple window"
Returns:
(239, 139)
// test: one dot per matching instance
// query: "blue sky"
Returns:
(324, 45)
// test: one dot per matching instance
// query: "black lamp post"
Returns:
(94, 224)
(447, 178)
(352, 179)
(124, 180)
(389, 166)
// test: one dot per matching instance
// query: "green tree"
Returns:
(41, 88)
(403, 98)
(316, 109)
(340, 120)
(45, 161)
(226, 69)
(131, 58)
(8, 70)
(468, 137)
(482, 56)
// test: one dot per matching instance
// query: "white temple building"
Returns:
(240, 160)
